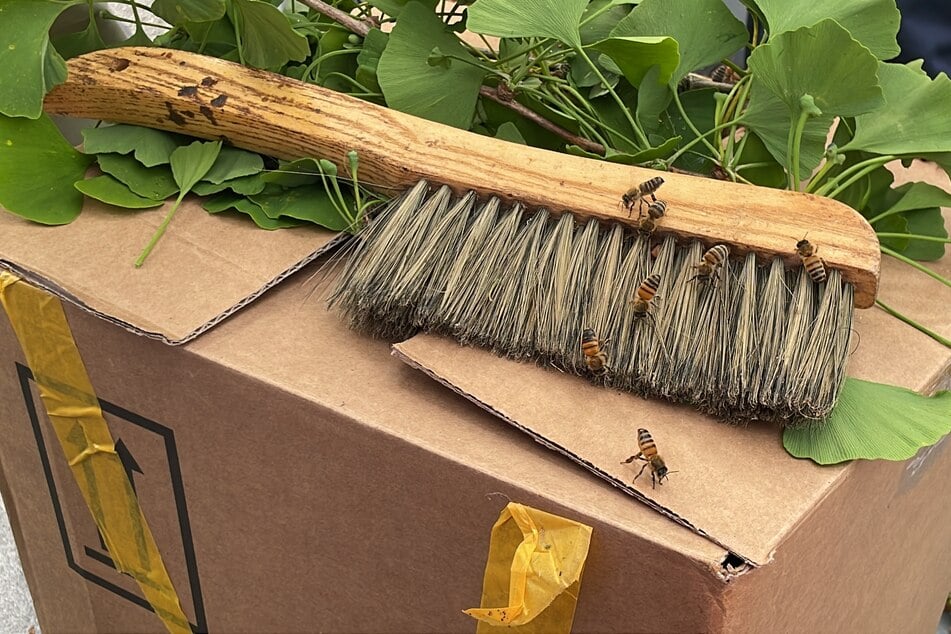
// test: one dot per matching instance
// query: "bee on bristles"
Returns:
(645, 293)
(648, 453)
(640, 192)
(594, 356)
(815, 267)
(655, 211)
(712, 260)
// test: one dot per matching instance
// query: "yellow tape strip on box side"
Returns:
(47, 341)
(533, 573)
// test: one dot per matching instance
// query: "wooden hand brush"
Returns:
(522, 250)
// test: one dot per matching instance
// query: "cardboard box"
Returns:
(298, 477)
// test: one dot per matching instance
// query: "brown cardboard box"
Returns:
(297, 477)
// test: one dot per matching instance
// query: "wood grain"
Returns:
(210, 98)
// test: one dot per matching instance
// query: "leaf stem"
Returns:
(924, 269)
(641, 137)
(914, 324)
(683, 113)
(160, 231)
(698, 139)
(913, 236)
(795, 143)
(852, 174)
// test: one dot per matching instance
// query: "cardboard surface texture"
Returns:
(202, 270)
(298, 477)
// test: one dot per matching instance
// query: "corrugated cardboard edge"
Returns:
(729, 570)
(59, 291)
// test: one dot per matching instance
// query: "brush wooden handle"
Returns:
(274, 115)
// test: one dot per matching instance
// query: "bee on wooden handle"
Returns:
(638, 193)
(594, 356)
(645, 293)
(655, 211)
(815, 267)
(648, 453)
(712, 260)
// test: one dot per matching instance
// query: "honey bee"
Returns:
(712, 260)
(655, 211)
(645, 293)
(594, 355)
(640, 192)
(724, 75)
(648, 453)
(815, 267)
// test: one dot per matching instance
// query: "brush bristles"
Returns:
(757, 342)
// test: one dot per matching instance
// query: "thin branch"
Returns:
(361, 29)
(534, 117)
(341, 17)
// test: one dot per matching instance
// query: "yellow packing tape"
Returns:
(47, 341)
(533, 573)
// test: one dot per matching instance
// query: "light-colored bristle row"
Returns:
(759, 342)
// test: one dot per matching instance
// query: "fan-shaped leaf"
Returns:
(529, 18)
(873, 422)
(310, 202)
(821, 61)
(151, 182)
(410, 84)
(874, 23)
(233, 163)
(37, 171)
(914, 119)
(150, 147)
(178, 12)
(267, 39)
(30, 65)
(705, 30)
(637, 55)
(108, 190)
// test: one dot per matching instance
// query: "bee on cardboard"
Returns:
(712, 260)
(640, 192)
(594, 356)
(815, 267)
(648, 453)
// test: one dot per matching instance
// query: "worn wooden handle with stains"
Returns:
(210, 98)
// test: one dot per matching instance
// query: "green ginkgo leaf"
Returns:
(109, 190)
(529, 18)
(919, 206)
(914, 119)
(704, 30)
(410, 84)
(635, 56)
(788, 67)
(31, 66)
(244, 185)
(266, 37)
(189, 164)
(311, 203)
(393, 8)
(873, 422)
(150, 182)
(178, 12)
(150, 147)
(226, 202)
(874, 23)
(771, 119)
(233, 163)
(37, 170)
(73, 44)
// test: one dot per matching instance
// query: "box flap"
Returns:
(736, 485)
(204, 269)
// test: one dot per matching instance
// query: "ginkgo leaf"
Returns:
(873, 422)
(529, 18)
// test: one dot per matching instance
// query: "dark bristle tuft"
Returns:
(756, 342)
